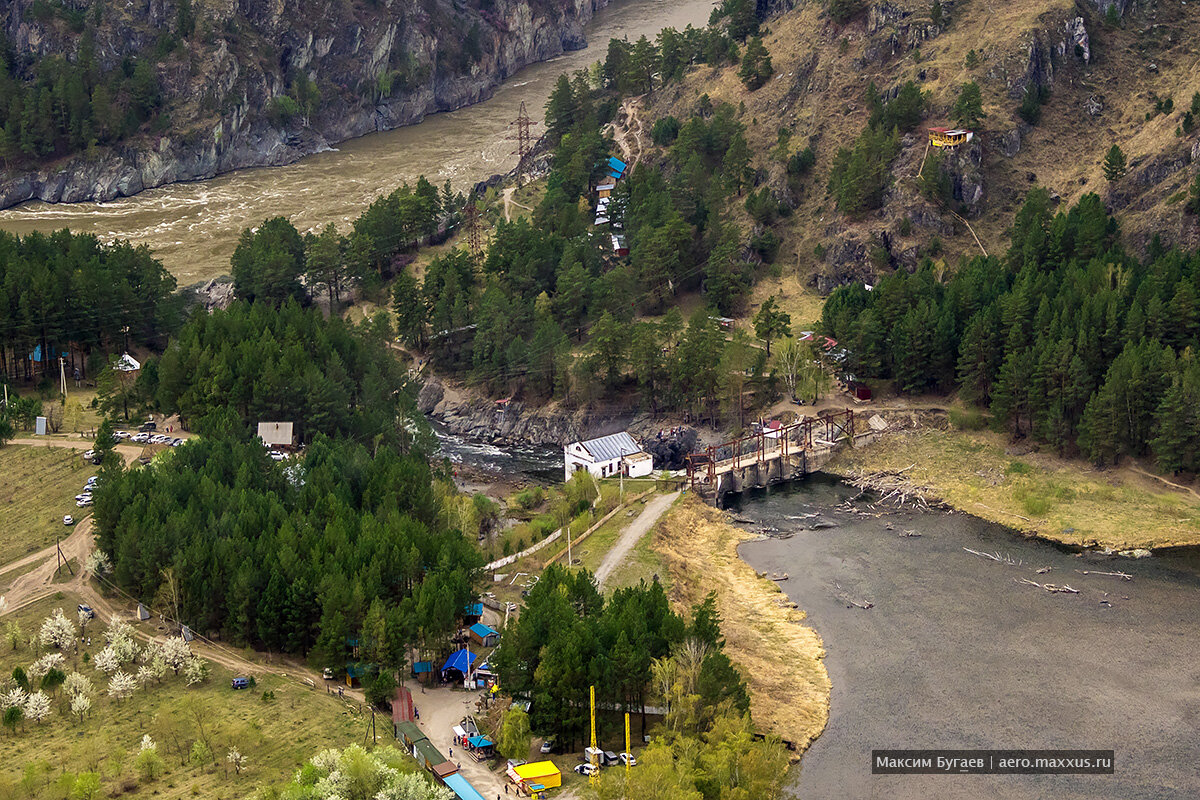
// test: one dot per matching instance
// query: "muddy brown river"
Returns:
(955, 653)
(193, 227)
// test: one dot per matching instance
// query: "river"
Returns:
(193, 227)
(535, 463)
(955, 653)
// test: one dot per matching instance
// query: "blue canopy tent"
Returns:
(459, 661)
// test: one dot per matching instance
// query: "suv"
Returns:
(628, 759)
(586, 769)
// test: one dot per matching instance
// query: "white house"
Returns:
(608, 455)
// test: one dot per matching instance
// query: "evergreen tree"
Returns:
(771, 323)
(1114, 164)
(968, 108)
(756, 66)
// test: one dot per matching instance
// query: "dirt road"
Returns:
(629, 537)
(38, 582)
(129, 452)
(443, 708)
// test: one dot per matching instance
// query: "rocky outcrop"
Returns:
(893, 30)
(378, 66)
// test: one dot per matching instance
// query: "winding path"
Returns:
(630, 536)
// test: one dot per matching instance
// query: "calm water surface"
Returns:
(956, 654)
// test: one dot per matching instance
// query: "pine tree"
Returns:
(1114, 164)
(935, 13)
(771, 323)
(968, 108)
(756, 66)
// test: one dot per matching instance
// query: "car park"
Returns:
(68, 520)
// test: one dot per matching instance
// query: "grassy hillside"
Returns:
(822, 71)
(37, 487)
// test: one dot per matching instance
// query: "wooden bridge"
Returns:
(770, 456)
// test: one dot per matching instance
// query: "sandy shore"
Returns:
(781, 658)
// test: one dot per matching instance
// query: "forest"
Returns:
(71, 295)
(1067, 338)
(259, 362)
(570, 636)
(344, 547)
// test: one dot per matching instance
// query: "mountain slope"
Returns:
(103, 100)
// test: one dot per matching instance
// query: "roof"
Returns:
(410, 730)
(422, 666)
(275, 432)
(616, 163)
(538, 769)
(480, 741)
(481, 630)
(604, 186)
(473, 609)
(462, 787)
(427, 751)
(444, 769)
(460, 660)
(127, 363)
(613, 446)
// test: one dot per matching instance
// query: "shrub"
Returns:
(968, 420)
(664, 131)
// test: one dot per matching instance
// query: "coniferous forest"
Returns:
(1067, 338)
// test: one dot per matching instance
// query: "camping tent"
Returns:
(459, 661)
(543, 772)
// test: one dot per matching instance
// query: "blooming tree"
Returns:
(98, 563)
(106, 661)
(14, 698)
(196, 671)
(121, 685)
(44, 664)
(120, 639)
(176, 652)
(76, 685)
(80, 705)
(37, 706)
(57, 631)
(236, 760)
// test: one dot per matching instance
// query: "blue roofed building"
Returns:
(484, 635)
(462, 787)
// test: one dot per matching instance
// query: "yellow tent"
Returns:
(543, 772)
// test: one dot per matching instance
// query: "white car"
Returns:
(276, 455)
(85, 502)
(587, 769)
(628, 758)
(120, 434)
(89, 454)
(83, 496)
(68, 520)
(93, 480)
(140, 437)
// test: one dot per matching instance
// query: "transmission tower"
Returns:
(524, 143)
(471, 222)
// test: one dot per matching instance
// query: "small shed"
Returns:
(484, 635)
(276, 434)
(472, 613)
(408, 734)
(860, 390)
(605, 189)
(444, 770)
(619, 246)
(423, 671)
(462, 787)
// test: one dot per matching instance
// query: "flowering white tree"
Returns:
(159, 668)
(14, 698)
(120, 638)
(76, 685)
(98, 563)
(43, 665)
(57, 631)
(236, 760)
(147, 743)
(196, 671)
(80, 705)
(37, 706)
(106, 661)
(176, 652)
(83, 618)
(121, 685)
(145, 676)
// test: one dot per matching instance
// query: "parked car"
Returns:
(610, 758)
(327, 674)
(240, 683)
(84, 503)
(628, 758)
(276, 455)
(148, 425)
(79, 498)
(586, 769)
(87, 611)
(68, 520)
(547, 745)
(176, 442)
(140, 437)
(92, 481)
(88, 455)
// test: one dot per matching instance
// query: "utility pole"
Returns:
(524, 146)
(62, 375)
(471, 222)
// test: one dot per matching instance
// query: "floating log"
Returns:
(1125, 576)
(782, 577)
(841, 595)
(1053, 588)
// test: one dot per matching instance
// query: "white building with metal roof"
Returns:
(607, 456)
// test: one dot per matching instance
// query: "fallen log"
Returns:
(1005, 559)
(841, 595)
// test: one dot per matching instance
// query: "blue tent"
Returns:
(480, 741)
(462, 787)
(461, 661)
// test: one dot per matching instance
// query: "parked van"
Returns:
(240, 683)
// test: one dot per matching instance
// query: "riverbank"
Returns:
(1037, 494)
(781, 658)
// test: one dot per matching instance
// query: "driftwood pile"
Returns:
(894, 488)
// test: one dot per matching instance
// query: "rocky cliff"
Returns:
(377, 64)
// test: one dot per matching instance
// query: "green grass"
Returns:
(276, 736)
(37, 487)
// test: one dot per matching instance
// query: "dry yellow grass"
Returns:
(1039, 494)
(781, 658)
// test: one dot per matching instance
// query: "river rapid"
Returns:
(955, 653)
(193, 227)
